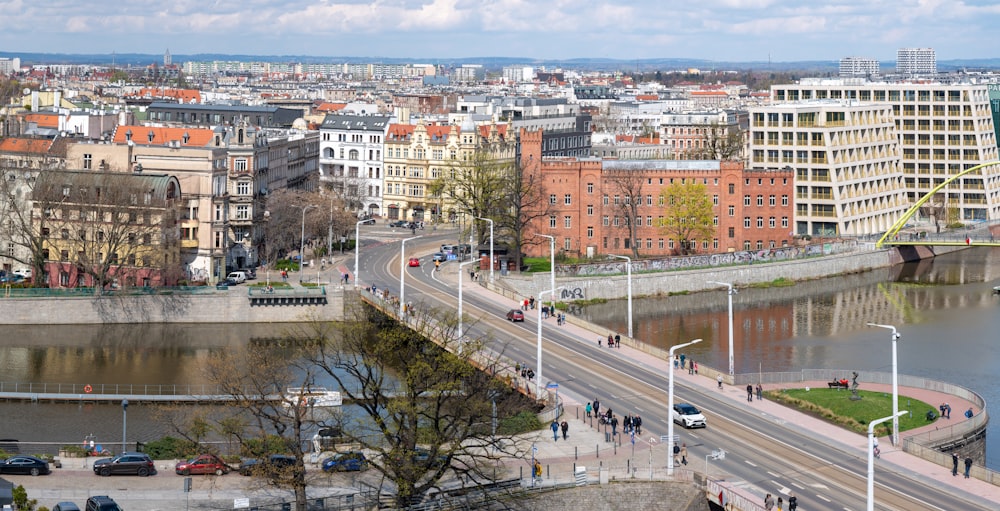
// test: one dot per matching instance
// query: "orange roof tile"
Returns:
(197, 137)
(647, 97)
(399, 131)
(25, 145)
(484, 130)
(44, 120)
(181, 95)
(330, 107)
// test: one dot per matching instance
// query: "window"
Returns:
(552, 221)
(715, 221)
(770, 222)
(88, 161)
(243, 212)
(649, 200)
(746, 200)
(784, 200)
(770, 200)
(590, 187)
(746, 222)
(760, 200)
(715, 200)
(784, 222)
(567, 222)
(605, 220)
(605, 200)
(590, 231)
(732, 188)
(760, 222)
(617, 200)
(243, 188)
(567, 243)
(240, 164)
(590, 210)
(567, 199)
(732, 210)
(552, 199)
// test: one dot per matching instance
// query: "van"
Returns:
(449, 248)
(238, 277)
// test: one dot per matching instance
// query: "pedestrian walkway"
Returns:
(927, 472)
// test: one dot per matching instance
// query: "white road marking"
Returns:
(821, 497)
(748, 462)
(772, 474)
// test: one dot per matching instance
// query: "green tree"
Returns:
(687, 214)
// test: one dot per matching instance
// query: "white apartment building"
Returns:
(858, 66)
(916, 61)
(942, 129)
(351, 159)
(846, 156)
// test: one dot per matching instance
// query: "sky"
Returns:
(716, 30)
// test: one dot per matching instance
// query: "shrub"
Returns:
(523, 422)
(169, 447)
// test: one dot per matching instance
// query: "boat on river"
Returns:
(315, 397)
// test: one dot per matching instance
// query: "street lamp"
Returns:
(357, 248)
(670, 403)
(402, 276)
(871, 456)
(552, 265)
(491, 244)
(538, 382)
(302, 240)
(731, 292)
(628, 268)
(460, 281)
(895, 385)
(124, 421)
(719, 454)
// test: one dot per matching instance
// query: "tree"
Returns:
(687, 215)
(477, 186)
(283, 228)
(722, 142)
(426, 409)
(625, 183)
(17, 229)
(527, 202)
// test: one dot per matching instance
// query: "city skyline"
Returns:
(716, 30)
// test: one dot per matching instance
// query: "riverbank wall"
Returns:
(235, 305)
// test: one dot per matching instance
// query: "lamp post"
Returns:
(730, 292)
(402, 276)
(491, 244)
(552, 266)
(357, 248)
(895, 383)
(628, 268)
(460, 281)
(538, 382)
(670, 403)
(719, 454)
(302, 239)
(124, 421)
(871, 456)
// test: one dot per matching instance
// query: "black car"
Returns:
(271, 466)
(399, 223)
(24, 465)
(129, 463)
(102, 503)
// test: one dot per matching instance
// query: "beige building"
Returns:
(847, 162)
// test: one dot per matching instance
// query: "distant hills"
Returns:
(605, 64)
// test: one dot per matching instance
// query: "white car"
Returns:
(24, 272)
(688, 416)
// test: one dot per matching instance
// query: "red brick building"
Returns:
(753, 209)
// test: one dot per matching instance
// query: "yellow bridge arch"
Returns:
(894, 230)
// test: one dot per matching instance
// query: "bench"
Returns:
(837, 384)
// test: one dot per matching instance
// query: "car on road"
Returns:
(12, 278)
(24, 465)
(351, 461)
(128, 463)
(414, 262)
(688, 416)
(439, 256)
(24, 272)
(272, 466)
(422, 455)
(399, 223)
(515, 315)
(202, 464)
(102, 503)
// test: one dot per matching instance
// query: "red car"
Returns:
(202, 464)
(515, 315)
(414, 262)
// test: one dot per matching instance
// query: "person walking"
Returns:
(555, 431)
(589, 409)
(565, 429)
(618, 340)
(597, 407)
(760, 392)
(968, 466)
(677, 455)
(749, 393)
(954, 464)
(683, 359)
(684, 454)
(719, 380)
(637, 422)
(691, 366)
(768, 502)
(793, 502)
(780, 503)
(614, 426)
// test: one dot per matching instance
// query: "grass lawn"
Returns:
(835, 406)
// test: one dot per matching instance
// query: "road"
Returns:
(763, 453)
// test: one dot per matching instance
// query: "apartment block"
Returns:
(943, 129)
(858, 66)
(847, 162)
(351, 159)
(916, 61)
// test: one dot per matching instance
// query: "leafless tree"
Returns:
(284, 225)
(722, 142)
(477, 186)
(526, 204)
(625, 187)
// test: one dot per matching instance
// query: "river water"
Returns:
(944, 308)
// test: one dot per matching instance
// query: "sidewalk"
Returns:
(917, 468)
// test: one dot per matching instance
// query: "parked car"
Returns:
(202, 464)
(688, 416)
(350, 461)
(422, 455)
(24, 272)
(414, 262)
(102, 503)
(399, 223)
(24, 465)
(270, 466)
(129, 463)
(66, 506)
(250, 273)
(515, 315)
(11, 278)
(237, 276)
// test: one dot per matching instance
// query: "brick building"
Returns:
(753, 208)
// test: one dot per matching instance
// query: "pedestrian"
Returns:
(555, 431)
(597, 407)
(760, 392)
(677, 362)
(695, 368)
(954, 464)
(677, 454)
(718, 379)
(968, 466)
(618, 341)
(611, 341)
(779, 504)
(600, 341)
(768, 502)
(947, 411)
(968, 413)
(749, 393)
(793, 502)
(565, 429)
(691, 367)
(683, 358)
(589, 409)
(637, 422)
(614, 426)
(524, 305)
(941, 409)
(684, 454)
(531, 302)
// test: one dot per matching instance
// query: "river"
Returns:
(944, 309)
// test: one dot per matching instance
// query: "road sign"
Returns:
(665, 438)
(552, 385)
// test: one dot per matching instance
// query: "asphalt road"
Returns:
(762, 452)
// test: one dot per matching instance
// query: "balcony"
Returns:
(189, 244)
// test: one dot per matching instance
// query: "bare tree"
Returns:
(722, 142)
(526, 203)
(625, 185)
(20, 235)
(284, 225)
(478, 186)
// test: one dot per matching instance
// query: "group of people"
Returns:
(954, 465)
(680, 454)
(945, 410)
(613, 342)
(524, 371)
(630, 424)
(769, 502)
(750, 392)
(556, 427)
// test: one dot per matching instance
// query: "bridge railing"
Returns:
(98, 389)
